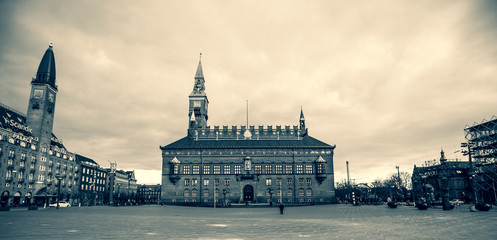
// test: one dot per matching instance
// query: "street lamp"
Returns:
(270, 197)
(59, 178)
(471, 172)
(224, 193)
(118, 193)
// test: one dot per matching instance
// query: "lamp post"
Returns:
(471, 172)
(270, 197)
(118, 193)
(224, 193)
(59, 178)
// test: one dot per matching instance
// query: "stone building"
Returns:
(148, 194)
(436, 179)
(246, 164)
(121, 186)
(92, 187)
(32, 158)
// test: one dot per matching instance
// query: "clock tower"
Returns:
(41, 108)
(197, 113)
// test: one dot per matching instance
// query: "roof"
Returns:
(46, 70)
(14, 121)
(188, 143)
(81, 159)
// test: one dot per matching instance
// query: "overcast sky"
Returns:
(389, 82)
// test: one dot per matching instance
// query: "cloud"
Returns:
(389, 83)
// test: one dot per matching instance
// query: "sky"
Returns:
(389, 82)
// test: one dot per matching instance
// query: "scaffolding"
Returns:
(482, 145)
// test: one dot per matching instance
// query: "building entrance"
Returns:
(248, 193)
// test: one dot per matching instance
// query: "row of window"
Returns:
(91, 187)
(237, 169)
(289, 193)
(23, 158)
(259, 152)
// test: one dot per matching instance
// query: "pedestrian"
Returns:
(281, 208)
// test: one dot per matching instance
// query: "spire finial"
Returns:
(50, 44)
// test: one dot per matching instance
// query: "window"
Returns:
(301, 182)
(269, 169)
(300, 169)
(289, 169)
(308, 169)
(41, 177)
(226, 182)
(194, 182)
(194, 193)
(278, 182)
(301, 192)
(216, 182)
(42, 168)
(206, 193)
(187, 182)
(227, 169)
(279, 169)
(206, 182)
(21, 164)
(238, 169)
(196, 169)
(278, 192)
(309, 181)
(217, 169)
(289, 192)
(320, 169)
(207, 169)
(258, 169)
(11, 154)
(268, 192)
(309, 192)
(20, 176)
(216, 192)
(186, 193)
(268, 181)
(289, 181)
(31, 176)
(186, 169)
(23, 156)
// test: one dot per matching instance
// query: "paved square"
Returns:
(310, 222)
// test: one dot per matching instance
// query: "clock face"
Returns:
(38, 93)
(197, 104)
(51, 97)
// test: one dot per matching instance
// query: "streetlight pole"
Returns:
(118, 194)
(471, 172)
(59, 178)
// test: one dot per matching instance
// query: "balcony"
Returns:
(174, 178)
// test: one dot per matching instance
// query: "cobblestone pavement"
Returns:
(310, 222)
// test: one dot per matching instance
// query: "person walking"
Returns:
(281, 208)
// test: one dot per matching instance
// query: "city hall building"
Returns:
(244, 164)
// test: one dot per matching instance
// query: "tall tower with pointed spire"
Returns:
(442, 157)
(41, 107)
(197, 113)
(302, 127)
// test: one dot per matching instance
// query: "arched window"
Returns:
(289, 192)
(301, 192)
(308, 192)
(206, 193)
(194, 193)
(186, 193)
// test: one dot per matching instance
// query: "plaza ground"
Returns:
(309, 222)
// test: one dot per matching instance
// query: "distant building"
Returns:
(148, 194)
(441, 178)
(122, 187)
(92, 187)
(31, 156)
(244, 164)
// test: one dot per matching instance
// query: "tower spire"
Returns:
(199, 86)
(302, 119)
(46, 69)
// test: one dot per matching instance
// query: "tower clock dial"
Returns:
(38, 93)
(197, 104)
